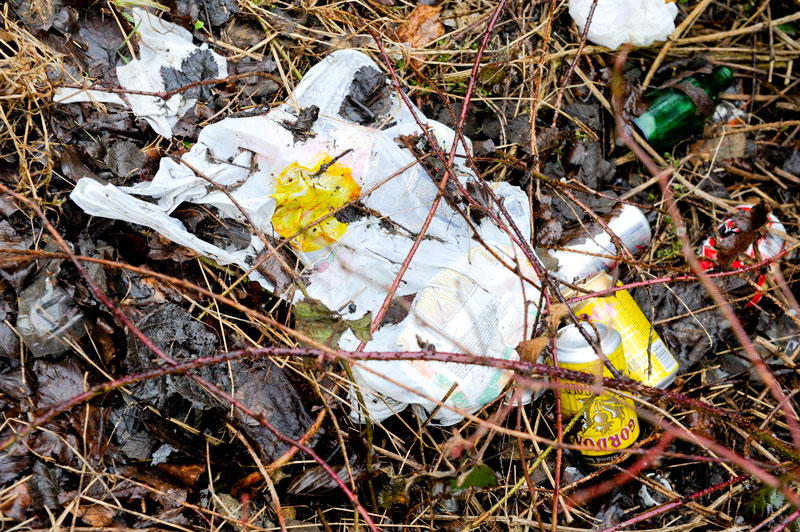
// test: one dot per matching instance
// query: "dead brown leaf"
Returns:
(720, 148)
(422, 26)
(533, 348)
(14, 503)
(739, 232)
(96, 515)
(188, 474)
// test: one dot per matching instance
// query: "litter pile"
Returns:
(288, 266)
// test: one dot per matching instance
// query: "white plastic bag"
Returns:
(161, 45)
(464, 300)
(641, 22)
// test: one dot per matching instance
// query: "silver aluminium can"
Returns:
(575, 353)
(574, 349)
(628, 223)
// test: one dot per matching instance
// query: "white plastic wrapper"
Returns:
(161, 44)
(641, 22)
(464, 300)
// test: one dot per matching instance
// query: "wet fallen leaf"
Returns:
(95, 515)
(162, 248)
(720, 148)
(144, 291)
(368, 97)
(162, 491)
(316, 482)
(73, 168)
(325, 326)
(547, 226)
(124, 158)
(742, 230)
(16, 501)
(15, 269)
(216, 12)
(258, 86)
(264, 388)
(12, 381)
(273, 270)
(422, 26)
(12, 460)
(53, 442)
(96, 44)
(90, 421)
(43, 487)
(57, 382)
(242, 34)
(188, 474)
(481, 476)
(200, 65)
(301, 127)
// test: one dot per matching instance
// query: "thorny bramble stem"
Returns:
(169, 360)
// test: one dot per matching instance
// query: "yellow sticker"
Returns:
(305, 195)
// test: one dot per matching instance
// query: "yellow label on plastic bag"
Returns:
(305, 195)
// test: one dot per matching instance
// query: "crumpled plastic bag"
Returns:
(165, 49)
(464, 300)
(641, 22)
(48, 321)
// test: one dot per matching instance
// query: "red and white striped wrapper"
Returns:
(768, 246)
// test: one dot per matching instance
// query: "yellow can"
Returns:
(619, 311)
(609, 422)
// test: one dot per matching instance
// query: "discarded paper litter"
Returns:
(640, 22)
(464, 300)
(168, 60)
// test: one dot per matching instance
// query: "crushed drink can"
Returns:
(609, 423)
(769, 245)
(627, 222)
(657, 367)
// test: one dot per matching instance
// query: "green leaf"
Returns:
(480, 476)
(392, 494)
(325, 326)
(317, 321)
(764, 501)
(122, 4)
(199, 25)
(361, 326)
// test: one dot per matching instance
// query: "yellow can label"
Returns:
(610, 422)
(575, 394)
(621, 312)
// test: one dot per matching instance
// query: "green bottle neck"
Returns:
(716, 82)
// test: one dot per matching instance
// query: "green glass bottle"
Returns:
(680, 111)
